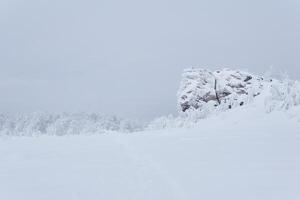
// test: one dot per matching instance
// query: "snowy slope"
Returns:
(221, 158)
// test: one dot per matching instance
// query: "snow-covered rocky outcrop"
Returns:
(225, 89)
(201, 88)
(204, 93)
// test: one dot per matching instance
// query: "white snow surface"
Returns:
(249, 156)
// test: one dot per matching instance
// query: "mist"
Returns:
(126, 57)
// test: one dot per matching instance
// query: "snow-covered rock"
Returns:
(227, 88)
(206, 91)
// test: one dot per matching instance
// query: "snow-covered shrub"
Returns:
(163, 123)
(283, 95)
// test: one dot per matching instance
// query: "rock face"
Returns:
(222, 88)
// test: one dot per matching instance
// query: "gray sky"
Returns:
(125, 57)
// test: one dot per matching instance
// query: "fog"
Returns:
(126, 57)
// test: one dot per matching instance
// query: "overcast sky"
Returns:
(125, 57)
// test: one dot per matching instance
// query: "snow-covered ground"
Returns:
(217, 149)
(249, 156)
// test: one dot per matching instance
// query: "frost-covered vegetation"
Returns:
(64, 124)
